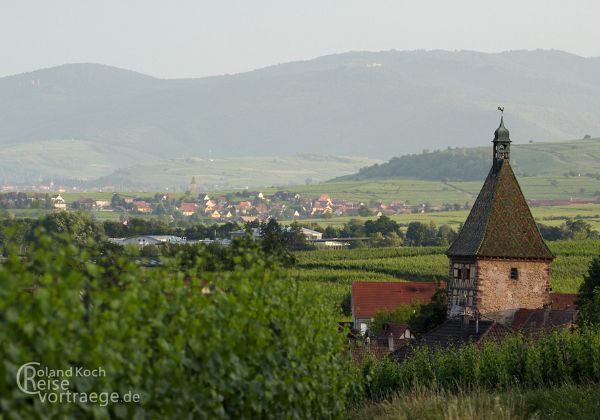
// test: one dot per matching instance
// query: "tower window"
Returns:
(514, 273)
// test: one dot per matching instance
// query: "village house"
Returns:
(209, 206)
(311, 235)
(188, 209)
(142, 207)
(368, 298)
(102, 204)
(59, 203)
(392, 338)
(86, 203)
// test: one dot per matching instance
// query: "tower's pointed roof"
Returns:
(501, 132)
(500, 224)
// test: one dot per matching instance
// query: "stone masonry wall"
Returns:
(496, 291)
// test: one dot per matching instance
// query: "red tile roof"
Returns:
(189, 207)
(371, 297)
(140, 205)
(536, 321)
(563, 300)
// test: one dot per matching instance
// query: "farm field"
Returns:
(439, 192)
(332, 272)
(548, 215)
(412, 191)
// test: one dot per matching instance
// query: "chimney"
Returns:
(391, 342)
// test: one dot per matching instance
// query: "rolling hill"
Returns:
(466, 164)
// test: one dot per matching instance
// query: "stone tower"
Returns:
(499, 260)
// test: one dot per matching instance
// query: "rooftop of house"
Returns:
(189, 207)
(370, 297)
(536, 321)
(454, 333)
(394, 330)
(457, 332)
(563, 300)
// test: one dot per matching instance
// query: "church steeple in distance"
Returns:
(501, 142)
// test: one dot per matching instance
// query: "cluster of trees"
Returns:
(387, 232)
(275, 239)
(422, 234)
(571, 229)
(183, 228)
(21, 200)
(458, 164)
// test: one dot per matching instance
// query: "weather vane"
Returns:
(501, 109)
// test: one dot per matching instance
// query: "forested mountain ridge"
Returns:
(84, 121)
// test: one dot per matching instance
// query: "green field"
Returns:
(438, 192)
(332, 272)
(549, 215)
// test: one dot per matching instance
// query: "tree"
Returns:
(394, 240)
(294, 238)
(431, 314)
(330, 232)
(353, 229)
(383, 225)
(115, 229)
(79, 226)
(418, 234)
(378, 240)
(578, 230)
(550, 233)
(47, 201)
(364, 211)
(588, 296)
(401, 315)
(273, 242)
(445, 235)
(117, 201)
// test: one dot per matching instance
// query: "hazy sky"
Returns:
(192, 38)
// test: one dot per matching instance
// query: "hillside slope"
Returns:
(533, 159)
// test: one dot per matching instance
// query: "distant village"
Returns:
(241, 206)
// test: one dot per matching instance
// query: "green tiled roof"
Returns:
(500, 223)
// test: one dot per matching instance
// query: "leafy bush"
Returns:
(246, 343)
(401, 315)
